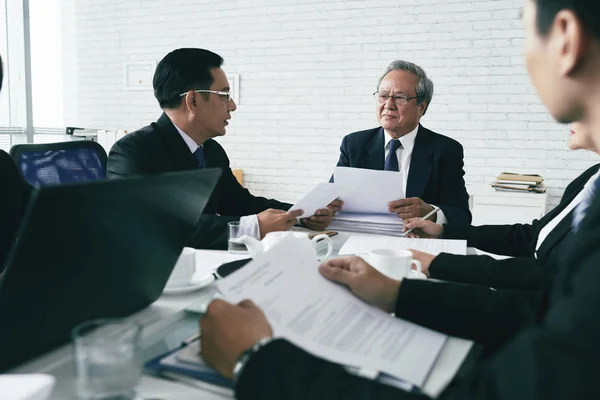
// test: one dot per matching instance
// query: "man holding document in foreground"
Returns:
(430, 165)
(557, 358)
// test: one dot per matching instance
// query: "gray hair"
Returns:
(424, 86)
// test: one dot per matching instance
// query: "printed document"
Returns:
(327, 320)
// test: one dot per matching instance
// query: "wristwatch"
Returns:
(246, 355)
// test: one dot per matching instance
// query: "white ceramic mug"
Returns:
(184, 269)
(396, 264)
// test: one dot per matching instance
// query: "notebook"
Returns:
(185, 364)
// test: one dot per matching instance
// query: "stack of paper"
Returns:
(382, 224)
(366, 194)
(511, 182)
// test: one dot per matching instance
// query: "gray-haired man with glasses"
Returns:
(194, 93)
(430, 165)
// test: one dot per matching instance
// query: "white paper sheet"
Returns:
(319, 197)
(361, 244)
(368, 191)
(327, 320)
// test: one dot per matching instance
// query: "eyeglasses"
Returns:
(398, 100)
(225, 96)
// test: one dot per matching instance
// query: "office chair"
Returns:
(62, 162)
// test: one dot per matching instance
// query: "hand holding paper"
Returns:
(228, 330)
(320, 197)
(327, 320)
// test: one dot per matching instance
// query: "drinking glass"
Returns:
(108, 359)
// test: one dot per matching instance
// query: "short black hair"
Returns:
(182, 70)
(588, 12)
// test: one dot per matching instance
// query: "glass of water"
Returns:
(234, 232)
(108, 359)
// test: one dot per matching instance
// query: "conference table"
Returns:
(167, 322)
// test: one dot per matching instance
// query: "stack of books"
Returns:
(511, 182)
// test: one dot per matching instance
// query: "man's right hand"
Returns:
(423, 228)
(363, 280)
(272, 220)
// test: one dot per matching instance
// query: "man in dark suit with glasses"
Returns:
(194, 93)
(430, 165)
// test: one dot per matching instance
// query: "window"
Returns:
(12, 98)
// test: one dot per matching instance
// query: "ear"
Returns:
(572, 41)
(423, 107)
(190, 101)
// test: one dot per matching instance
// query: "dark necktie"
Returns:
(199, 154)
(582, 208)
(391, 161)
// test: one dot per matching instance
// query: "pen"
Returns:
(431, 213)
(190, 340)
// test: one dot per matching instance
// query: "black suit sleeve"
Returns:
(344, 160)
(281, 370)
(235, 200)
(509, 240)
(453, 196)
(14, 193)
(513, 273)
(478, 313)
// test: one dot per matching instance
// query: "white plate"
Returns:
(195, 284)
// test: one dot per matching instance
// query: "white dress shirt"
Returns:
(549, 227)
(248, 224)
(404, 155)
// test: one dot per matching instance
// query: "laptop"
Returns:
(103, 249)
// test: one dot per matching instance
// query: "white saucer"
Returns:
(416, 275)
(195, 284)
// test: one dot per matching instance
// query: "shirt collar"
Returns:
(193, 146)
(407, 141)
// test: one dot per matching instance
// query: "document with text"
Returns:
(360, 244)
(327, 320)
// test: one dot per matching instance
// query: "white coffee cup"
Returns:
(184, 269)
(396, 264)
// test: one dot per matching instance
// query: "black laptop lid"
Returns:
(96, 250)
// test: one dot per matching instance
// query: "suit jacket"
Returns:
(159, 148)
(519, 241)
(558, 358)
(436, 168)
(14, 193)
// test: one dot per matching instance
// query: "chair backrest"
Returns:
(62, 162)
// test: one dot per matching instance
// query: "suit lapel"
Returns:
(420, 165)
(180, 153)
(561, 229)
(374, 152)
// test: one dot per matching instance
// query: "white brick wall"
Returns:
(308, 69)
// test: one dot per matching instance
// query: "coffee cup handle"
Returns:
(329, 244)
(418, 264)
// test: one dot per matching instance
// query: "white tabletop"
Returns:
(158, 316)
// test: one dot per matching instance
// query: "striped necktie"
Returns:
(199, 154)
(583, 207)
